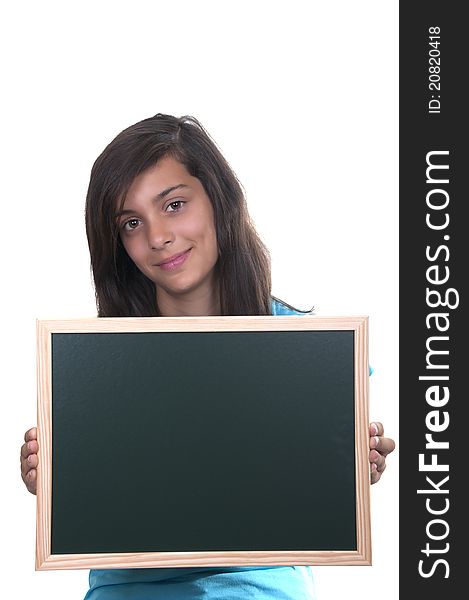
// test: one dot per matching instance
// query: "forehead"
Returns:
(165, 174)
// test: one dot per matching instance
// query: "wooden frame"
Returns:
(359, 556)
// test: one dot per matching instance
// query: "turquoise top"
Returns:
(221, 583)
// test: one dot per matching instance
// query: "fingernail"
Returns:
(376, 441)
(374, 429)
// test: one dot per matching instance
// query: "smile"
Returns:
(174, 261)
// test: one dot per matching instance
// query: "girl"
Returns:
(170, 235)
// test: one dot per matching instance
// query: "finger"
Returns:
(377, 459)
(24, 451)
(384, 445)
(29, 463)
(376, 428)
(31, 434)
(375, 475)
(30, 480)
(28, 448)
(32, 461)
(24, 467)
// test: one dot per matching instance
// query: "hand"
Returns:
(380, 447)
(29, 459)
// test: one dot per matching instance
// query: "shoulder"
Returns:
(279, 307)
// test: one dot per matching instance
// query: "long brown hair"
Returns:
(243, 266)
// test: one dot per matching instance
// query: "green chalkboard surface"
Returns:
(221, 444)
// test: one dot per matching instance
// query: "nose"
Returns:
(160, 234)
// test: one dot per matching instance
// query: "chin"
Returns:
(180, 290)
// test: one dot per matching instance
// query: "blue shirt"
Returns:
(209, 583)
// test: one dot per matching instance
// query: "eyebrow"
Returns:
(167, 191)
(159, 196)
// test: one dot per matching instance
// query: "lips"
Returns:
(175, 261)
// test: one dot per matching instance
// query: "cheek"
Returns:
(210, 232)
(201, 229)
(214, 243)
(133, 249)
(209, 236)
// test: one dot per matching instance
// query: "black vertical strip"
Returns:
(433, 274)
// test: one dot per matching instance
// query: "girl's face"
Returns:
(167, 228)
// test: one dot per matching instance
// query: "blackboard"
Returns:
(203, 441)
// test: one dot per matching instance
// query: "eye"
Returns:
(175, 206)
(131, 224)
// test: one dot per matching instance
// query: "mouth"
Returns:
(175, 261)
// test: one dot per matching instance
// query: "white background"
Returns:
(302, 99)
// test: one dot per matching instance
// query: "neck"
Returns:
(203, 303)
